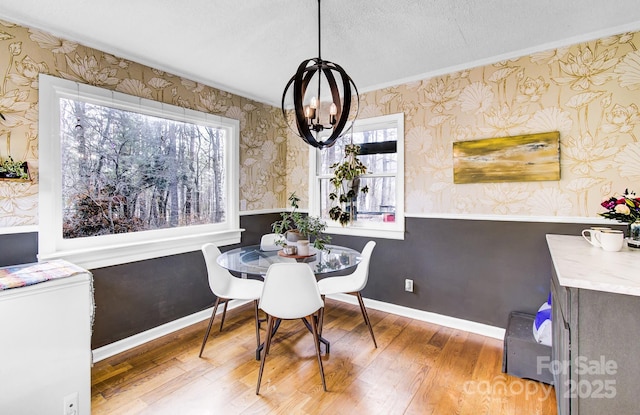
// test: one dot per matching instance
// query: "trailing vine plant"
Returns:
(346, 183)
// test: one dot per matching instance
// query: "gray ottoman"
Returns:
(521, 350)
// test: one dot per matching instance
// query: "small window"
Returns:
(128, 178)
(380, 211)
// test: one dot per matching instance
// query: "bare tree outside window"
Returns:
(126, 172)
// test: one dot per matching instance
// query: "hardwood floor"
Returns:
(418, 368)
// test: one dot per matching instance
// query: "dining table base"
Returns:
(321, 339)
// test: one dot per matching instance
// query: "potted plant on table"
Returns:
(346, 185)
(295, 226)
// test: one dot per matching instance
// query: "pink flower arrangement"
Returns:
(623, 209)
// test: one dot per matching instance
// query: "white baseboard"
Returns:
(442, 320)
(123, 345)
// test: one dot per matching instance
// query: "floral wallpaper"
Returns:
(25, 53)
(588, 92)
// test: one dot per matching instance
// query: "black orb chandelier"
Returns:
(314, 115)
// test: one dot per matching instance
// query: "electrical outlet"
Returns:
(408, 285)
(243, 275)
(71, 404)
(243, 204)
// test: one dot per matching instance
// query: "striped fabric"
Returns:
(29, 274)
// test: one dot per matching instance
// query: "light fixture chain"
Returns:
(319, 37)
(319, 64)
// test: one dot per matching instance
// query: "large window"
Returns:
(124, 178)
(380, 211)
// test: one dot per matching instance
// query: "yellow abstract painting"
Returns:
(522, 158)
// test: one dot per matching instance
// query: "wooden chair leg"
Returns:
(321, 318)
(266, 347)
(274, 328)
(224, 312)
(206, 335)
(366, 317)
(255, 309)
(316, 342)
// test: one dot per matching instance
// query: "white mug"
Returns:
(592, 231)
(610, 239)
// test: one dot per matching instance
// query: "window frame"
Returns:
(107, 250)
(388, 230)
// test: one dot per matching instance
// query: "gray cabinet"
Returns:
(561, 341)
(596, 350)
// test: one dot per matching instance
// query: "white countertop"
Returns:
(579, 264)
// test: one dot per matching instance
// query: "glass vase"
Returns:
(634, 235)
(634, 230)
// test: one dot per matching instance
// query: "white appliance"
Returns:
(45, 347)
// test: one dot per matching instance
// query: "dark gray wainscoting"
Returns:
(138, 296)
(18, 248)
(469, 269)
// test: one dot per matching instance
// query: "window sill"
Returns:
(105, 256)
(383, 233)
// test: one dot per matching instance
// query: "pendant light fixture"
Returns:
(315, 113)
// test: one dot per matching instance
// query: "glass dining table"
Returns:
(253, 260)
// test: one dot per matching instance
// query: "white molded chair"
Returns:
(352, 284)
(268, 242)
(227, 287)
(290, 292)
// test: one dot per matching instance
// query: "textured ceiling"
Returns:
(252, 47)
